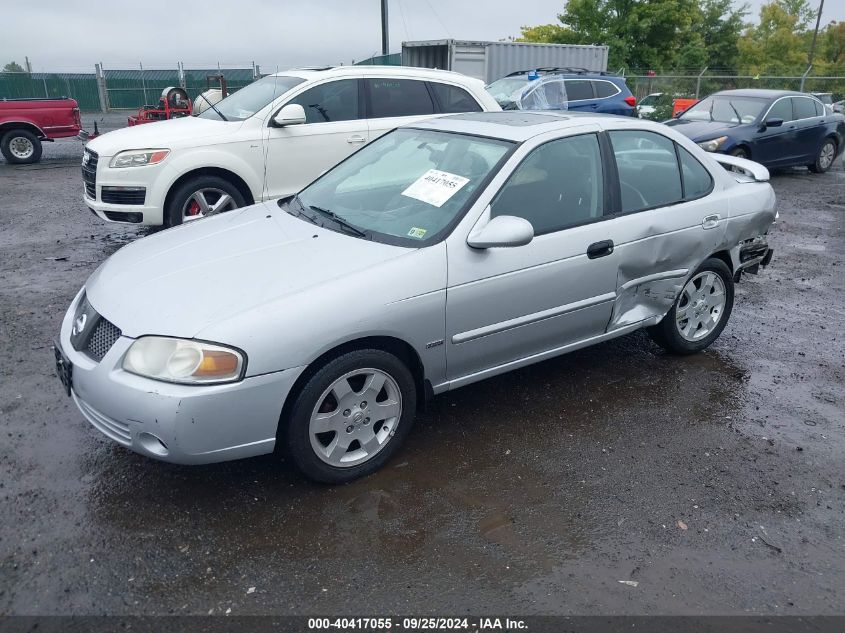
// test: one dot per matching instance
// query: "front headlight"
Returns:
(713, 144)
(139, 157)
(183, 361)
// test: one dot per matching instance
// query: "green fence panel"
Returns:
(393, 59)
(131, 89)
(79, 86)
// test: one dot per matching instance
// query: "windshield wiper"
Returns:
(736, 112)
(334, 216)
(213, 107)
(298, 213)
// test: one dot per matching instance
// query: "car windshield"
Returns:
(503, 89)
(405, 188)
(250, 99)
(725, 109)
(649, 100)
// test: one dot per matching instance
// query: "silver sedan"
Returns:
(439, 255)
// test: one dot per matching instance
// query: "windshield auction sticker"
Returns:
(435, 187)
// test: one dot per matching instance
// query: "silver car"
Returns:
(441, 254)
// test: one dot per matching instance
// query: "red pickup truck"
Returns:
(26, 123)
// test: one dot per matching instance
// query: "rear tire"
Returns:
(350, 417)
(20, 147)
(824, 158)
(700, 312)
(200, 197)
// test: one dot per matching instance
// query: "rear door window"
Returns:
(579, 89)
(697, 180)
(648, 169)
(803, 107)
(332, 101)
(453, 99)
(390, 97)
(605, 89)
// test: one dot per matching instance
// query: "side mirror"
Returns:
(501, 232)
(773, 122)
(291, 114)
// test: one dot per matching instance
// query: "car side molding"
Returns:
(751, 169)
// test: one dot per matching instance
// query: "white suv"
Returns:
(267, 140)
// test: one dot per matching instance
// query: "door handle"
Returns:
(355, 138)
(711, 221)
(600, 249)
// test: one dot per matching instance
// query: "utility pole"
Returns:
(385, 43)
(815, 33)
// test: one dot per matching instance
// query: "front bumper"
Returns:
(175, 423)
(150, 213)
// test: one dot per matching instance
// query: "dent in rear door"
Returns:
(660, 247)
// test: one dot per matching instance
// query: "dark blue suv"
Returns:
(586, 91)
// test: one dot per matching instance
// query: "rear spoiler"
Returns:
(749, 168)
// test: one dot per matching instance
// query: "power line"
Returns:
(448, 34)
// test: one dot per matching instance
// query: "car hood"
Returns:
(701, 130)
(183, 132)
(182, 280)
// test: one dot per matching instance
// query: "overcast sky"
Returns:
(72, 35)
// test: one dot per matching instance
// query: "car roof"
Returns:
(520, 125)
(586, 75)
(761, 93)
(309, 73)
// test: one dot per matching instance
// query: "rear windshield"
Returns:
(250, 99)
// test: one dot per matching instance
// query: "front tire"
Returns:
(351, 416)
(700, 312)
(824, 158)
(20, 147)
(200, 197)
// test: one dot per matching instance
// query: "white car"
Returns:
(264, 141)
(648, 104)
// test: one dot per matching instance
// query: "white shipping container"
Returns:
(490, 61)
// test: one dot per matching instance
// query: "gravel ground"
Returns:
(715, 482)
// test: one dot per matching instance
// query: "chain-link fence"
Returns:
(701, 85)
(118, 89)
(130, 88)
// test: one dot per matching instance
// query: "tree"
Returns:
(778, 44)
(13, 67)
(650, 34)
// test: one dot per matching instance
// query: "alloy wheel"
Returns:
(355, 417)
(700, 306)
(826, 155)
(205, 202)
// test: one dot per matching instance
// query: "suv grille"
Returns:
(89, 173)
(102, 338)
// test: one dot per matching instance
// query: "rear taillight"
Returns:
(77, 117)
(631, 101)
